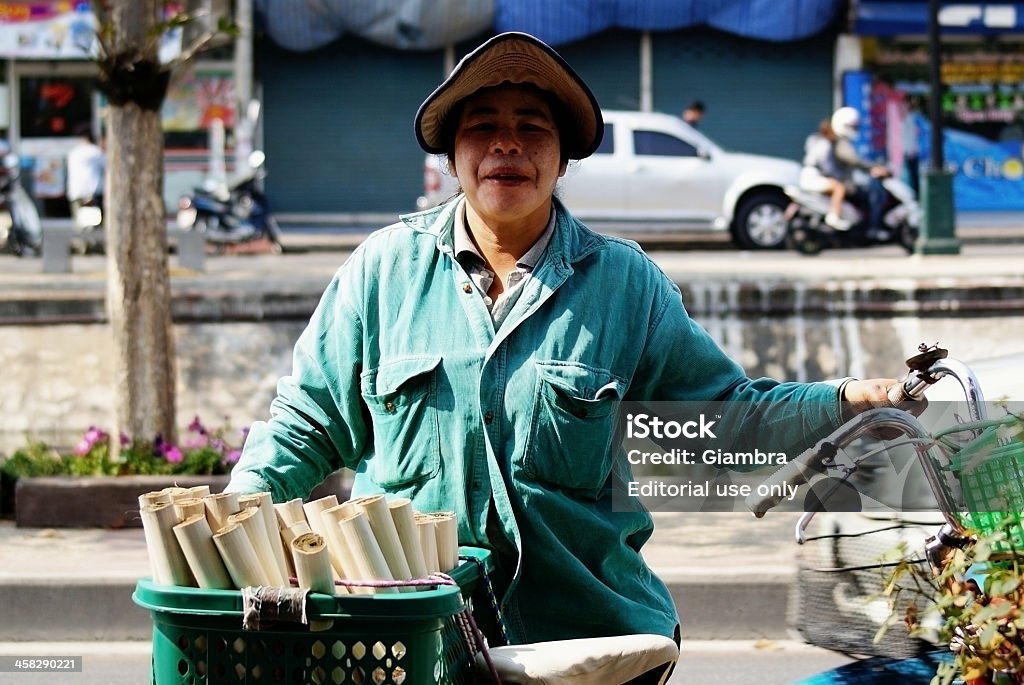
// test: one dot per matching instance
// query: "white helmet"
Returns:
(845, 121)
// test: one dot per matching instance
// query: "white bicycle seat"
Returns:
(588, 661)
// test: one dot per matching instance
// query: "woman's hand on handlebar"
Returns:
(862, 395)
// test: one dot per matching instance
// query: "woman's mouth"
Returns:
(506, 176)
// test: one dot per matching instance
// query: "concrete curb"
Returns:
(269, 299)
(70, 609)
(746, 606)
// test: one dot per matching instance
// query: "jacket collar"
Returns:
(572, 239)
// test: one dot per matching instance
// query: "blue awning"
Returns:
(568, 20)
(900, 17)
(428, 24)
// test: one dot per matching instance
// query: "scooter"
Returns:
(960, 486)
(20, 228)
(232, 214)
(809, 234)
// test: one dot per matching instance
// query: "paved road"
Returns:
(765, 662)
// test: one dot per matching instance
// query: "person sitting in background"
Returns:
(819, 173)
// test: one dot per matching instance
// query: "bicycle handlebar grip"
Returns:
(908, 391)
(898, 396)
(795, 473)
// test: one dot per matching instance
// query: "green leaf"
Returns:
(1001, 585)
(989, 636)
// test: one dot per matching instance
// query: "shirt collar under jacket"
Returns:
(463, 242)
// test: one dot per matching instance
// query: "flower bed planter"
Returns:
(113, 502)
(92, 502)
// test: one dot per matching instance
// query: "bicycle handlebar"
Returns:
(796, 472)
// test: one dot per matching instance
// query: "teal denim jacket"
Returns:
(401, 376)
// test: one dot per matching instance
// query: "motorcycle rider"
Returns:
(845, 122)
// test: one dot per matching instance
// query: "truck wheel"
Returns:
(760, 222)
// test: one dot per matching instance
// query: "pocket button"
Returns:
(389, 407)
(488, 418)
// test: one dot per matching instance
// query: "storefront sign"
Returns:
(46, 30)
(988, 175)
(906, 18)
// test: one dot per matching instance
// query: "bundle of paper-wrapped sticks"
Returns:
(230, 541)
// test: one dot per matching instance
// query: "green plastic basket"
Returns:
(991, 476)
(385, 639)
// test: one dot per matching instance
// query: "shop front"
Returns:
(982, 95)
(48, 97)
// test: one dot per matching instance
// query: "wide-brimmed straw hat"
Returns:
(514, 58)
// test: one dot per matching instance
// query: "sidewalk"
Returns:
(728, 572)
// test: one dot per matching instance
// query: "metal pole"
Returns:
(935, 79)
(244, 127)
(938, 221)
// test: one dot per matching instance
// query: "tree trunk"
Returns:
(138, 282)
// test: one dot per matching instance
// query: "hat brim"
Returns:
(516, 58)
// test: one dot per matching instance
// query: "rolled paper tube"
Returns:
(313, 569)
(239, 556)
(405, 524)
(155, 497)
(175, 493)
(447, 540)
(428, 542)
(252, 521)
(313, 512)
(219, 507)
(339, 547)
(166, 559)
(290, 512)
(187, 508)
(196, 541)
(265, 504)
(200, 491)
(369, 559)
(383, 526)
(293, 531)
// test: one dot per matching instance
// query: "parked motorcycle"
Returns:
(232, 214)
(808, 233)
(958, 461)
(20, 228)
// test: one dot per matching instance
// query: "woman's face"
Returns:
(508, 154)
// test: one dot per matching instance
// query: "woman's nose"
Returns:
(505, 141)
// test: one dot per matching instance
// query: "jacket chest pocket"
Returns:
(573, 426)
(401, 396)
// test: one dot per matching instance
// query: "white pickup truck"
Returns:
(653, 172)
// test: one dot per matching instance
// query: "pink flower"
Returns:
(173, 455)
(232, 457)
(92, 436)
(195, 442)
(197, 426)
